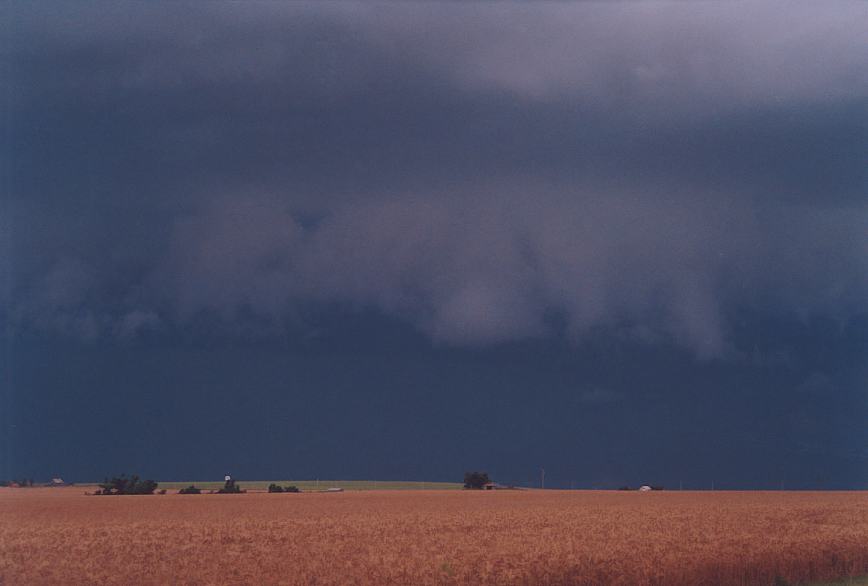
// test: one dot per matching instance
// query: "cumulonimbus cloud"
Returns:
(496, 266)
(486, 173)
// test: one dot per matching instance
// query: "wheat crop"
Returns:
(61, 536)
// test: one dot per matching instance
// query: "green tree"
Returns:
(123, 485)
(476, 480)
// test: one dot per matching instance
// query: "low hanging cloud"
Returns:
(486, 173)
(493, 268)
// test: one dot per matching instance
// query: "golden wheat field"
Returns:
(61, 536)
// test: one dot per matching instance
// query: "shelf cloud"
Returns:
(485, 173)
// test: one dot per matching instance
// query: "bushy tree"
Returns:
(476, 480)
(123, 485)
(277, 488)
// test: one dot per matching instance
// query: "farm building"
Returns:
(495, 486)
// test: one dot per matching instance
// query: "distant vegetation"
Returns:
(123, 485)
(277, 488)
(190, 490)
(476, 480)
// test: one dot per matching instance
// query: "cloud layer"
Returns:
(486, 172)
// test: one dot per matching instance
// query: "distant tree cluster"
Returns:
(123, 485)
(277, 488)
(476, 480)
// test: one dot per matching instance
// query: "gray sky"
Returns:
(667, 177)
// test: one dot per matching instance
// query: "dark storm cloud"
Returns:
(486, 172)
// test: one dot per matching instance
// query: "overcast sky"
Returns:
(625, 241)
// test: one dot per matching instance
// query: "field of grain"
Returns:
(61, 536)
